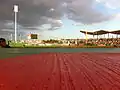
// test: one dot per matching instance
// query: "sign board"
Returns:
(34, 36)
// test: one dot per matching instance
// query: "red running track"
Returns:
(61, 71)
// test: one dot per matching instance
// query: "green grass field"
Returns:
(23, 45)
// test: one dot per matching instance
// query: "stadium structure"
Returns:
(101, 32)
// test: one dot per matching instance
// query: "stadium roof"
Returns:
(90, 33)
(115, 32)
(101, 32)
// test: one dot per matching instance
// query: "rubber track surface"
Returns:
(61, 71)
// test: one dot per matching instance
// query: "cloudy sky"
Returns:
(59, 18)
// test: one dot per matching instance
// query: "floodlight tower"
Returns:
(15, 22)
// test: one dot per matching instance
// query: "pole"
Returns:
(11, 37)
(15, 11)
(15, 26)
(86, 35)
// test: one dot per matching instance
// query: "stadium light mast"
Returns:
(15, 22)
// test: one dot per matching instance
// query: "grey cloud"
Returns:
(113, 4)
(84, 12)
(31, 11)
(34, 13)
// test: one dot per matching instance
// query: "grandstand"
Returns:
(102, 32)
(103, 41)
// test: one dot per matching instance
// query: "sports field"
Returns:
(14, 52)
(61, 71)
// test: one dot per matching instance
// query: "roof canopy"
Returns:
(101, 32)
(90, 33)
(115, 32)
